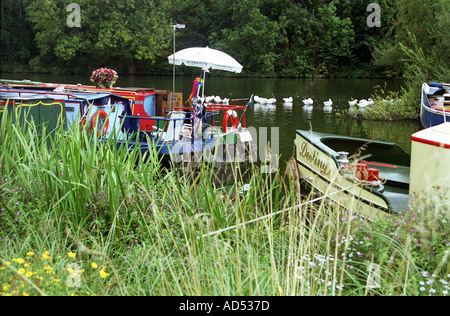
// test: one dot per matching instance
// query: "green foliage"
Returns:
(17, 39)
(417, 50)
(72, 210)
(269, 37)
(110, 31)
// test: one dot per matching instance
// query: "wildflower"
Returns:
(18, 260)
(30, 253)
(71, 255)
(103, 274)
(29, 274)
(45, 255)
(21, 271)
(94, 265)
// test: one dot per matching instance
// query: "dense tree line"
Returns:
(286, 38)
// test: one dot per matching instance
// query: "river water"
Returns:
(287, 118)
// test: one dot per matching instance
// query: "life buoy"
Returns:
(104, 115)
(234, 120)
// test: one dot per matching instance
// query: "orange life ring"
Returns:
(104, 115)
(234, 120)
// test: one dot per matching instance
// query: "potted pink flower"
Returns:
(104, 77)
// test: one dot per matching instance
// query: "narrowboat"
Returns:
(372, 177)
(42, 109)
(435, 104)
(176, 136)
(153, 110)
(145, 102)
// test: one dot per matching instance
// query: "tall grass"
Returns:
(79, 216)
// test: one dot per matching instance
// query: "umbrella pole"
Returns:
(203, 87)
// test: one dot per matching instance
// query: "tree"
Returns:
(251, 37)
(114, 32)
(16, 35)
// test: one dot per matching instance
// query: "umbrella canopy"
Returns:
(205, 57)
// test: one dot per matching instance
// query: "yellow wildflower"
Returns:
(18, 260)
(28, 274)
(45, 255)
(30, 253)
(94, 265)
(103, 274)
(71, 255)
(22, 271)
(26, 294)
(48, 268)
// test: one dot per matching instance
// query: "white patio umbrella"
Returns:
(205, 58)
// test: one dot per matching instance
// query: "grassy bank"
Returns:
(389, 106)
(80, 218)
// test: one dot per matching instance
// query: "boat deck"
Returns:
(395, 175)
(392, 161)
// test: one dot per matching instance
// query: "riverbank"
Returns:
(78, 218)
(387, 106)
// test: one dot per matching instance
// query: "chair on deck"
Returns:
(174, 125)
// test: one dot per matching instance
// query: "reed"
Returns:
(84, 217)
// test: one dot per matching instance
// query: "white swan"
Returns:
(217, 99)
(225, 100)
(256, 99)
(353, 103)
(328, 106)
(288, 100)
(308, 101)
(328, 103)
(271, 100)
(365, 103)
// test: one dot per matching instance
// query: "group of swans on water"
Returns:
(328, 105)
(215, 99)
(308, 103)
(260, 100)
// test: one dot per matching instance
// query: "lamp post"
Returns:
(175, 26)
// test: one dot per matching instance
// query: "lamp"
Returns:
(175, 26)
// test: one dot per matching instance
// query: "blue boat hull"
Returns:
(429, 116)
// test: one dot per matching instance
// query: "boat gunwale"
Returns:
(316, 137)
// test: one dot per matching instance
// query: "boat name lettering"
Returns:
(312, 156)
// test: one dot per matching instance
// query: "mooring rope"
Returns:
(278, 212)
